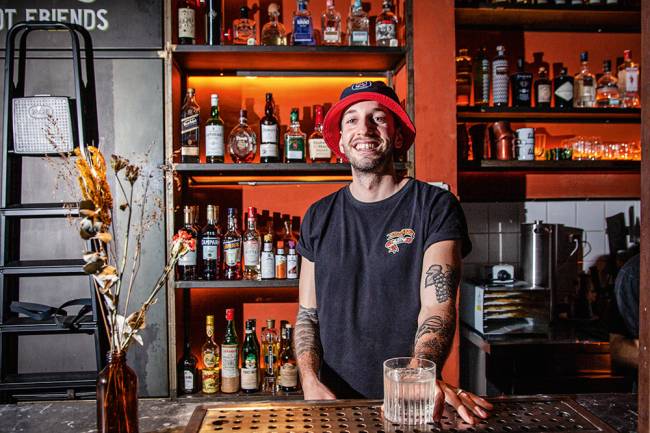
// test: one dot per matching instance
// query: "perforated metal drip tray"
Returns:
(510, 414)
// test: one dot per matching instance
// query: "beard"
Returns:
(370, 165)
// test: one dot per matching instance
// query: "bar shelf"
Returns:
(223, 284)
(527, 114)
(578, 166)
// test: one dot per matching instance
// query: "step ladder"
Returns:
(51, 385)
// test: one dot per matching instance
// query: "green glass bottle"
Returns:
(214, 142)
(294, 140)
(230, 356)
(250, 354)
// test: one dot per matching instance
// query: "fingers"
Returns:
(439, 403)
(481, 401)
(469, 400)
(457, 404)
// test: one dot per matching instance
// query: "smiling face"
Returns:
(369, 133)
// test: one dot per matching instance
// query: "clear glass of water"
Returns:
(409, 390)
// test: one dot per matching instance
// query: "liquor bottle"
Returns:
(463, 77)
(211, 245)
(628, 81)
(213, 22)
(303, 26)
(543, 89)
(358, 25)
(186, 265)
(232, 248)
(500, 78)
(230, 356)
(521, 83)
(242, 141)
(280, 262)
(250, 359)
(210, 353)
(288, 366)
(188, 375)
(287, 231)
(244, 29)
(584, 84)
(318, 150)
(252, 244)
(273, 32)
(190, 128)
(292, 262)
(331, 25)
(267, 260)
(269, 133)
(194, 210)
(386, 26)
(186, 22)
(482, 78)
(607, 94)
(563, 94)
(270, 365)
(214, 146)
(294, 140)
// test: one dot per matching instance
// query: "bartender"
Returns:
(381, 261)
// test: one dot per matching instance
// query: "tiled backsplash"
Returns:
(494, 228)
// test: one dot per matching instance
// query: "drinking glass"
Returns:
(409, 390)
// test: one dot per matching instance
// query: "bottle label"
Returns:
(295, 147)
(292, 266)
(268, 150)
(210, 248)
(249, 378)
(210, 379)
(632, 79)
(588, 93)
(268, 265)
(331, 35)
(289, 375)
(359, 37)
(190, 150)
(232, 252)
(270, 134)
(186, 23)
(384, 31)
(251, 253)
(190, 123)
(302, 29)
(188, 259)
(318, 149)
(280, 266)
(565, 91)
(209, 359)
(544, 93)
(214, 140)
(500, 81)
(229, 364)
(188, 381)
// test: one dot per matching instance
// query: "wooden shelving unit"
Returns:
(221, 284)
(574, 115)
(551, 166)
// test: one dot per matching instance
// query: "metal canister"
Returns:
(536, 253)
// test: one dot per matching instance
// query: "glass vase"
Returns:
(117, 397)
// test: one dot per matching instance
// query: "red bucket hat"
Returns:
(366, 91)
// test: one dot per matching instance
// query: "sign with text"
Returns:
(113, 24)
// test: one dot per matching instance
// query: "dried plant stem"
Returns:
(100, 301)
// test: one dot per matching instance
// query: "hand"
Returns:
(313, 389)
(466, 404)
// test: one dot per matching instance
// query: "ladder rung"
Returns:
(43, 267)
(55, 380)
(41, 210)
(24, 326)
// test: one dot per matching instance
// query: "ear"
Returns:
(341, 144)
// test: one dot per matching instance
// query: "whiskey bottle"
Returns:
(294, 140)
(232, 248)
(292, 262)
(563, 94)
(250, 353)
(213, 17)
(500, 78)
(303, 26)
(211, 245)
(242, 141)
(190, 128)
(269, 132)
(210, 353)
(318, 150)
(244, 29)
(607, 94)
(386, 26)
(230, 356)
(186, 22)
(252, 244)
(270, 364)
(273, 32)
(188, 375)
(186, 265)
(214, 146)
(288, 365)
(463, 77)
(267, 260)
(542, 89)
(280, 262)
(482, 78)
(358, 25)
(628, 81)
(331, 24)
(584, 88)
(521, 83)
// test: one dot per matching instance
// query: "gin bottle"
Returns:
(303, 26)
(628, 81)
(252, 244)
(294, 140)
(386, 26)
(563, 94)
(242, 141)
(358, 25)
(607, 94)
(273, 32)
(214, 146)
(232, 248)
(270, 133)
(331, 25)
(584, 87)
(521, 83)
(500, 78)
(190, 128)
(244, 29)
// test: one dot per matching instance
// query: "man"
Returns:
(624, 318)
(381, 261)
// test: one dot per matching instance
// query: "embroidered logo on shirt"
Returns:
(393, 239)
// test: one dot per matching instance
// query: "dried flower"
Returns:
(132, 173)
(118, 163)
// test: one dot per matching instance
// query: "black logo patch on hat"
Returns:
(361, 86)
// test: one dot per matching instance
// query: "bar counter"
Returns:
(619, 411)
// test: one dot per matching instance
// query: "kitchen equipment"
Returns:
(503, 138)
(525, 144)
(536, 253)
(500, 274)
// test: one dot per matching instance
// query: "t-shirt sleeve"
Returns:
(447, 222)
(306, 242)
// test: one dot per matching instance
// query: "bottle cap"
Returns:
(274, 9)
(270, 323)
(243, 12)
(209, 319)
(190, 91)
(243, 113)
(252, 212)
(564, 71)
(269, 95)
(214, 100)
(232, 211)
(291, 245)
(584, 56)
(230, 313)
(251, 323)
(280, 244)
(268, 238)
(607, 65)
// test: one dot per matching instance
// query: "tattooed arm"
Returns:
(307, 345)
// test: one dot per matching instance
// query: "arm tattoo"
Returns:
(445, 283)
(434, 337)
(307, 345)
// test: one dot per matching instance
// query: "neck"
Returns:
(373, 187)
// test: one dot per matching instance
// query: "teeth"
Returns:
(366, 146)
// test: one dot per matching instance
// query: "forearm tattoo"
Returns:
(307, 345)
(434, 338)
(444, 282)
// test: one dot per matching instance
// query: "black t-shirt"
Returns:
(368, 265)
(626, 290)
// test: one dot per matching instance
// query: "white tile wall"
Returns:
(561, 212)
(504, 217)
(509, 248)
(535, 210)
(591, 215)
(476, 216)
(599, 249)
(480, 248)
